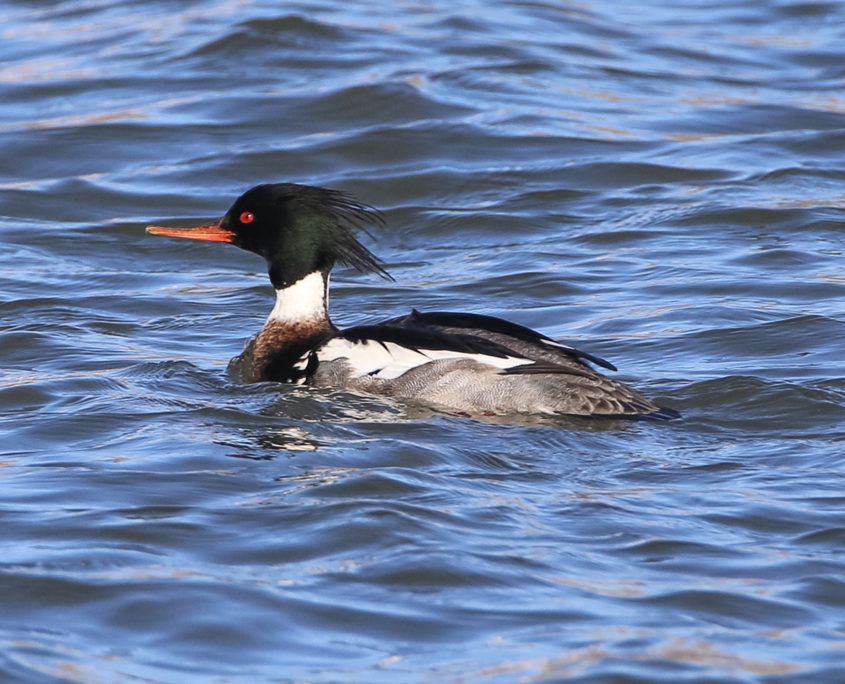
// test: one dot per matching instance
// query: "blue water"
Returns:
(661, 184)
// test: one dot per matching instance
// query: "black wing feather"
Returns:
(494, 325)
(546, 368)
(425, 338)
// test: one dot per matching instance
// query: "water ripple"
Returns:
(658, 183)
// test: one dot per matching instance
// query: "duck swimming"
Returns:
(458, 362)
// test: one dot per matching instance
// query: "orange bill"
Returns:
(211, 232)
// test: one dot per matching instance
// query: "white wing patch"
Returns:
(559, 345)
(388, 360)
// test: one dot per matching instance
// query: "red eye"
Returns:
(247, 217)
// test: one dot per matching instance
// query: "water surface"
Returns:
(660, 184)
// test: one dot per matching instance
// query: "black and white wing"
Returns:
(472, 373)
(518, 338)
(387, 352)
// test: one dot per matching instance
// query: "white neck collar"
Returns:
(306, 300)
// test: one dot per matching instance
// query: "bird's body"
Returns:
(466, 363)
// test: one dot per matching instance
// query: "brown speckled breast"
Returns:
(271, 354)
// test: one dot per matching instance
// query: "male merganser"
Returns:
(464, 363)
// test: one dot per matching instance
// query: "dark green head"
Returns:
(298, 229)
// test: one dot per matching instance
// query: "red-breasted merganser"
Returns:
(458, 362)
